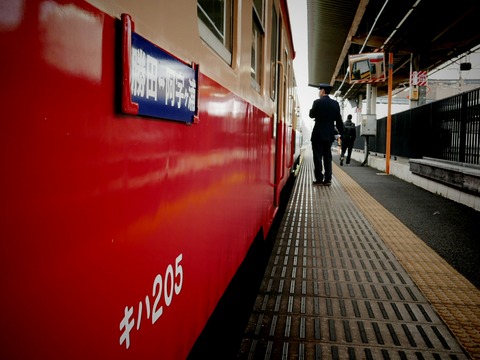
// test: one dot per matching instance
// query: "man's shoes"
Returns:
(341, 161)
(322, 183)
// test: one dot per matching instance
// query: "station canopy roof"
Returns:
(420, 34)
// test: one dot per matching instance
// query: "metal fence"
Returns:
(447, 129)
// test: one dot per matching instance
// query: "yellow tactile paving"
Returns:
(454, 298)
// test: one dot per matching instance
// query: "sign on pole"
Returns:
(418, 78)
(367, 68)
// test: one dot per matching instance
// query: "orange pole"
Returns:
(389, 116)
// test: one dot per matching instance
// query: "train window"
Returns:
(257, 44)
(215, 25)
(258, 7)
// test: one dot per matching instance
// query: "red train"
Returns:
(144, 147)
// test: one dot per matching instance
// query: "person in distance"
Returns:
(348, 138)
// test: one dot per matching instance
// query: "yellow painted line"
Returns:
(453, 297)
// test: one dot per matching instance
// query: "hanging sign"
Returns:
(156, 83)
(367, 68)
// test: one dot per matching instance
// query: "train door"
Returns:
(291, 119)
(279, 57)
(283, 115)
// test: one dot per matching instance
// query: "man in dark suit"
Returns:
(326, 113)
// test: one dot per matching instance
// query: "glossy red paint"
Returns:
(97, 205)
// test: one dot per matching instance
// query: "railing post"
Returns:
(389, 116)
(463, 128)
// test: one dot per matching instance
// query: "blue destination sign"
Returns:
(162, 85)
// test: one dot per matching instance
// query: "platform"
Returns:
(347, 280)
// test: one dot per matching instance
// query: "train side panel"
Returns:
(119, 233)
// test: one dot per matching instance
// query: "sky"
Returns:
(298, 21)
(307, 94)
